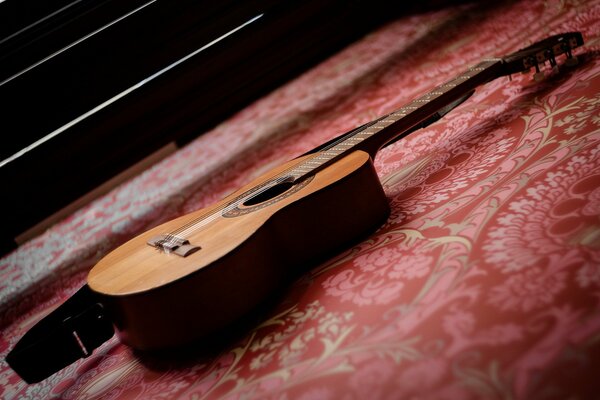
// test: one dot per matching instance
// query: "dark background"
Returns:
(37, 98)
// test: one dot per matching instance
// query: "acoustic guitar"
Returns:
(194, 275)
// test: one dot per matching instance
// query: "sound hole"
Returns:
(268, 194)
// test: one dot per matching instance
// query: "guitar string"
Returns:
(199, 222)
(204, 220)
(215, 213)
(234, 203)
(193, 225)
(439, 90)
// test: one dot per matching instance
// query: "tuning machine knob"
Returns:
(539, 75)
(571, 60)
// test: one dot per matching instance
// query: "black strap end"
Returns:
(72, 331)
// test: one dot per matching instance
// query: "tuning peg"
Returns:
(553, 65)
(539, 75)
(571, 60)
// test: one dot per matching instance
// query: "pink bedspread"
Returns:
(483, 283)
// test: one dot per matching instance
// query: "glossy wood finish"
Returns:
(160, 300)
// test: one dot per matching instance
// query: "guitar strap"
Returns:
(69, 333)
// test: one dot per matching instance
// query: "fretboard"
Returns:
(394, 125)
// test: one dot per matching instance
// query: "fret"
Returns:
(298, 172)
(322, 158)
(312, 162)
(433, 95)
(304, 167)
(326, 157)
(342, 149)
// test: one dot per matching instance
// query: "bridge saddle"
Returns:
(173, 244)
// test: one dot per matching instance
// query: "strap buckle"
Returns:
(64, 336)
(79, 326)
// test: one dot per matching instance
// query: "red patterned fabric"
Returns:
(483, 283)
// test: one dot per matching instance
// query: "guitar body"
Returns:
(159, 299)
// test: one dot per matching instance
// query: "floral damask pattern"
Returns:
(528, 290)
(483, 283)
(379, 275)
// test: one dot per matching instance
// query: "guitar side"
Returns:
(160, 300)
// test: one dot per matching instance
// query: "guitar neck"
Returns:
(399, 123)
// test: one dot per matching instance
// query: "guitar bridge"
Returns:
(173, 244)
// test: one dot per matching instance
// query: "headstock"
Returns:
(545, 50)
